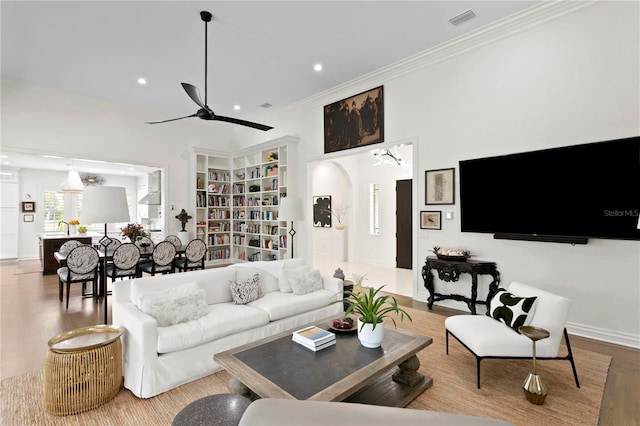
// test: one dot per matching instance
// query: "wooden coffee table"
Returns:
(277, 367)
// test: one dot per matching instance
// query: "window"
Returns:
(53, 211)
(374, 209)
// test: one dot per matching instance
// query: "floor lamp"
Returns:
(104, 204)
(291, 209)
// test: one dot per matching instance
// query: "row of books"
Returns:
(314, 338)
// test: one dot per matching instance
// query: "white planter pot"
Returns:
(370, 337)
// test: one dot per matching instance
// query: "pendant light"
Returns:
(72, 184)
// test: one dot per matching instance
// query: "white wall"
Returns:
(572, 79)
(35, 182)
(42, 120)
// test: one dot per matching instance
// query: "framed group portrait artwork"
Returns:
(355, 121)
(439, 186)
(322, 211)
(430, 220)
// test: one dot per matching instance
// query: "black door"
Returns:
(404, 234)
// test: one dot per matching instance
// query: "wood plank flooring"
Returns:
(31, 314)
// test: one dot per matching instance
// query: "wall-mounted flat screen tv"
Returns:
(590, 190)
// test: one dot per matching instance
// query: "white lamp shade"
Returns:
(291, 208)
(72, 184)
(104, 204)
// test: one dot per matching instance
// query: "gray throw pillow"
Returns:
(246, 291)
(179, 304)
(306, 282)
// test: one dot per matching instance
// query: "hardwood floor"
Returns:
(31, 314)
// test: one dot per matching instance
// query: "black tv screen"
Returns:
(589, 190)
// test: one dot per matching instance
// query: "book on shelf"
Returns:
(313, 336)
(318, 347)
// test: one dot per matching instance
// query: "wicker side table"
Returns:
(83, 369)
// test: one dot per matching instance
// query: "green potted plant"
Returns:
(371, 310)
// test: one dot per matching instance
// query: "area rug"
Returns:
(454, 389)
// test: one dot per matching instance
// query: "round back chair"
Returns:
(82, 266)
(68, 246)
(193, 256)
(125, 262)
(162, 259)
(173, 239)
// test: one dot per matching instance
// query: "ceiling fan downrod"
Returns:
(206, 17)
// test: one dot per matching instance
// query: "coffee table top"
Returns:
(277, 367)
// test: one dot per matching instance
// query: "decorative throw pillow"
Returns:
(511, 310)
(246, 291)
(175, 305)
(306, 282)
(285, 277)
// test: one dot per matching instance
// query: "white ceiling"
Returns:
(259, 51)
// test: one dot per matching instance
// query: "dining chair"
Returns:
(145, 241)
(162, 259)
(193, 256)
(125, 262)
(174, 239)
(82, 267)
(114, 244)
(65, 249)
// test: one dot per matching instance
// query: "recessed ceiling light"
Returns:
(236, 107)
(51, 156)
(142, 81)
(317, 67)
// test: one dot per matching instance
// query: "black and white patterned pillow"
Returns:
(511, 310)
(246, 291)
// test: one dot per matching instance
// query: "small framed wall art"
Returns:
(28, 206)
(439, 186)
(431, 220)
(27, 218)
(322, 211)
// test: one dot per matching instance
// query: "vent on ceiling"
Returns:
(266, 105)
(463, 17)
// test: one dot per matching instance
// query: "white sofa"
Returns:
(157, 359)
(284, 412)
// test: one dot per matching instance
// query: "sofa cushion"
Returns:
(283, 305)
(284, 282)
(222, 320)
(306, 282)
(245, 291)
(268, 281)
(175, 305)
(511, 310)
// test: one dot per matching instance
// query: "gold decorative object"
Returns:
(534, 388)
(83, 369)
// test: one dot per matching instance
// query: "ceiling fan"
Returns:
(206, 113)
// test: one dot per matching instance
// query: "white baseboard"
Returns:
(604, 335)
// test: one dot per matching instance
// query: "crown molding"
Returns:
(532, 17)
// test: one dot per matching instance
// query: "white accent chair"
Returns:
(488, 338)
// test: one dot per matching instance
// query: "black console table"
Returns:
(450, 271)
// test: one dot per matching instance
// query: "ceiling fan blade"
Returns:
(172, 119)
(242, 122)
(193, 93)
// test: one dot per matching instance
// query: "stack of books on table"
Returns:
(314, 338)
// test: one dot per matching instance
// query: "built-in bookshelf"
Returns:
(213, 205)
(259, 181)
(237, 198)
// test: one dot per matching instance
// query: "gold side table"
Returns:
(83, 369)
(534, 389)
